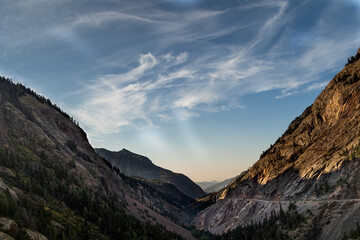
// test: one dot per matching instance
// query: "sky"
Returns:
(201, 87)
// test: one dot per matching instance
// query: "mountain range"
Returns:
(54, 185)
(214, 186)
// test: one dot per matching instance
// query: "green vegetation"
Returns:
(201, 235)
(353, 59)
(17, 90)
(273, 227)
(353, 234)
(51, 198)
(344, 153)
(71, 145)
(323, 188)
(80, 213)
(355, 154)
(264, 153)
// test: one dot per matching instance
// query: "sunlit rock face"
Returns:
(316, 161)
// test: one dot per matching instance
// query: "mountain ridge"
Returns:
(52, 179)
(214, 186)
(51, 176)
(316, 161)
(132, 164)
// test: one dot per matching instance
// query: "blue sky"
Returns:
(201, 87)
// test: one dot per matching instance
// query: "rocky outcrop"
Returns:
(4, 236)
(32, 235)
(9, 226)
(4, 188)
(316, 160)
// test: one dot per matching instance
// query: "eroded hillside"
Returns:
(315, 163)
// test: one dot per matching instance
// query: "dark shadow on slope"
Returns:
(343, 183)
(135, 165)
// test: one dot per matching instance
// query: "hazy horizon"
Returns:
(200, 87)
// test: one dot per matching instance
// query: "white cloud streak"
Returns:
(115, 101)
(209, 72)
(101, 18)
(169, 87)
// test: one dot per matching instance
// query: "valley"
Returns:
(54, 185)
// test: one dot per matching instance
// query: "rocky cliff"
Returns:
(314, 163)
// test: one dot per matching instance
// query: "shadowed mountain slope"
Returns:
(132, 164)
(53, 182)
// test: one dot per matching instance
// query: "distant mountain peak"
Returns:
(132, 164)
(124, 150)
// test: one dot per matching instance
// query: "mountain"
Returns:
(206, 184)
(314, 164)
(214, 186)
(169, 192)
(132, 164)
(53, 185)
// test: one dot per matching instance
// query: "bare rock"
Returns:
(316, 160)
(4, 236)
(4, 187)
(32, 235)
(9, 226)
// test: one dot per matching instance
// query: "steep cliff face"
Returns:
(132, 164)
(315, 160)
(315, 141)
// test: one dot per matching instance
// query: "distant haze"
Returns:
(201, 87)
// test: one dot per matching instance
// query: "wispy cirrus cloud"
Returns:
(180, 86)
(157, 62)
(130, 99)
(130, 71)
(146, 62)
(98, 19)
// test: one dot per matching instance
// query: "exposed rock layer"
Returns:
(315, 162)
